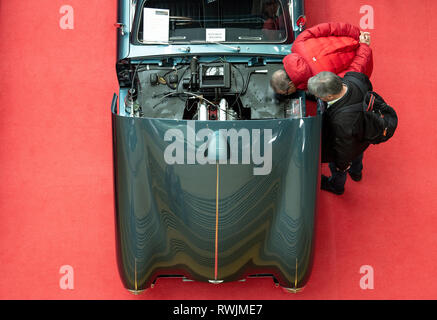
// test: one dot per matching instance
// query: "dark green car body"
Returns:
(216, 221)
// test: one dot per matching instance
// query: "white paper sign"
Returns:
(156, 25)
(215, 35)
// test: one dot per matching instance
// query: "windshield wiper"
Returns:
(220, 43)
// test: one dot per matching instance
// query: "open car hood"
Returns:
(215, 222)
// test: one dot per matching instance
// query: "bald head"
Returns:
(281, 83)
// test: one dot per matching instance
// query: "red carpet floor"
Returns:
(56, 191)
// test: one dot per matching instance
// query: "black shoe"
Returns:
(327, 186)
(356, 176)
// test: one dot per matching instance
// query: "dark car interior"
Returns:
(244, 22)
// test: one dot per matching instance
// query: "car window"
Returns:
(190, 21)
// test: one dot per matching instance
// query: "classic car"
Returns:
(216, 177)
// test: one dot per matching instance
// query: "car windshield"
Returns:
(191, 21)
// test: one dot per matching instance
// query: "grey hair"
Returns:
(280, 80)
(325, 83)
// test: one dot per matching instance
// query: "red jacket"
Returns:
(331, 47)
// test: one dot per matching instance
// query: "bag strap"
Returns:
(369, 107)
(365, 92)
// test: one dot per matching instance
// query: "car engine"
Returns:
(198, 89)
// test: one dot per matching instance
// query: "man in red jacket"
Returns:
(336, 47)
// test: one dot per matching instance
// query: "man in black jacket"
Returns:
(342, 142)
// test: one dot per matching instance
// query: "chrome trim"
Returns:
(215, 281)
(133, 6)
(249, 38)
(136, 292)
(120, 26)
(294, 290)
(291, 10)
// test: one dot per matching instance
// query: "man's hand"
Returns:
(365, 37)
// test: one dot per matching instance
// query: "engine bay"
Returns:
(198, 89)
(202, 88)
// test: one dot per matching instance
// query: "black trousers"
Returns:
(338, 178)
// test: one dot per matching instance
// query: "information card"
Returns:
(156, 25)
(215, 35)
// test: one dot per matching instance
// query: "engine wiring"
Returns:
(240, 92)
(162, 79)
